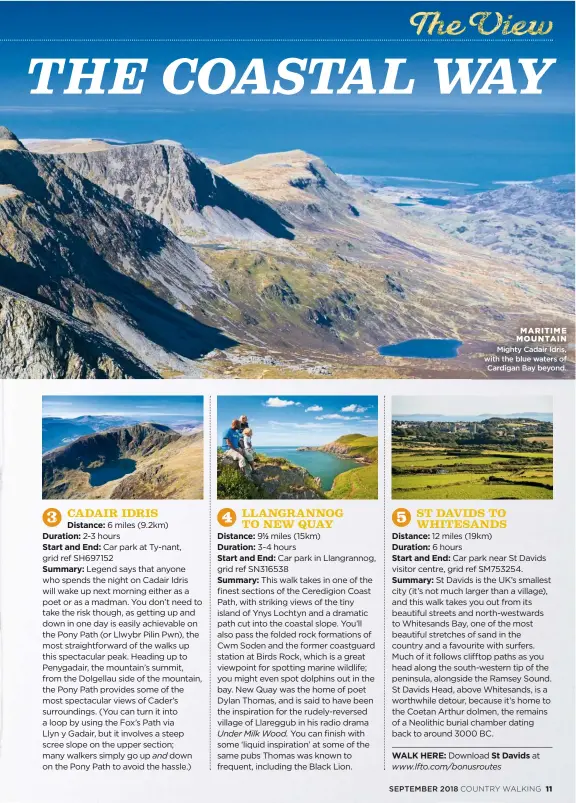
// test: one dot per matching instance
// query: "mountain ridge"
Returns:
(355, 273)
(172, 185)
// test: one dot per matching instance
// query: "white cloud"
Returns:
(311, 425)
(274, 401)
(315, 408)
(433, 180)
(338, 417)
(354, 408)
(512, 182)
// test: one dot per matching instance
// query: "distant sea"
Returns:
(320, 464)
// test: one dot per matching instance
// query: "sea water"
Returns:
(325, 465)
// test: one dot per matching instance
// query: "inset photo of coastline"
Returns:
(472, 447)
(122, 447)
(297, 447)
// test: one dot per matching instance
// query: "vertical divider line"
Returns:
(385, 452)
(210, 582)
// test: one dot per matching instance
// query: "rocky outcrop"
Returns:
(176, 188)
(281, 292)
(39, 342)
(271, 478)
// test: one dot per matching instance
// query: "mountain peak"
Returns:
(284, 177)
(170, 143)
(9, 141)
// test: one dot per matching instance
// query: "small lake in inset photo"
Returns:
(100, 475)
(325, 465)
(423, 348)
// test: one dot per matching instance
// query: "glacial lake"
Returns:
(325, 465)
(111, 471)
(426, 201)
(425, 348)
(434, 201)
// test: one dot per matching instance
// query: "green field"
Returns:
(475, 490)
(419, 473)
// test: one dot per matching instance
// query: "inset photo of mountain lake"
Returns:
(297, 447)
(472, 447)
(122, 447)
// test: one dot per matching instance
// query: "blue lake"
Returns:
(425, 348)
(111, 471)
(434, 201)
(320, 464)
(427, 201)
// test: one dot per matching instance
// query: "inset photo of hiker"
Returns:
(297, 447)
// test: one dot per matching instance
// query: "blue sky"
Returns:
(469, 405)
(300, 420)
(160, 409)
(459, 138)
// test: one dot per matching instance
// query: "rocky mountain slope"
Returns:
(68, 245)
(297, 183)
(178, 189)
(160, 464)
(361, 270)
(522, 199)
(546, 246)
(529, 221)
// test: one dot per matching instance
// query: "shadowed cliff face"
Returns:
(179, 190)
(68, 244)
(39, 342)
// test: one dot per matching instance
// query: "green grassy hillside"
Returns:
(355, 445)
(358, 483)
(361, 482)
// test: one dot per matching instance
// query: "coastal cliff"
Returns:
(357, 483)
